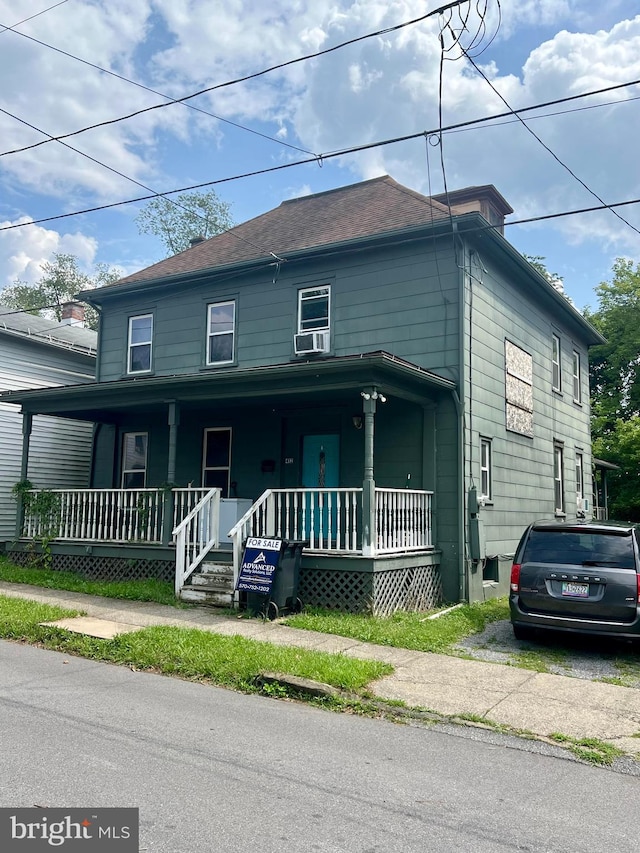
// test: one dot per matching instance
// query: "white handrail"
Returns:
(196, 535)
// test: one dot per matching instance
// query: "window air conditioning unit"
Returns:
(311, 342)
(583, 504)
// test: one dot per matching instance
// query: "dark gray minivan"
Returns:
(582, 577)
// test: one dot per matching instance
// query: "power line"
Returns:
(170, 100)
(321, 157)
(244, 79)
(545, 146)
(31, 17)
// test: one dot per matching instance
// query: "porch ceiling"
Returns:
(328, 378)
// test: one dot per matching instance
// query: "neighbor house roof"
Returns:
(378, 206)
(49, 332)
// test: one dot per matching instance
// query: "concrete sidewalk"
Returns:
(518, 698)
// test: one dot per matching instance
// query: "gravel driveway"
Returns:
(594, 659)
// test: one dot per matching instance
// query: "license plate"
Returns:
(576, 590)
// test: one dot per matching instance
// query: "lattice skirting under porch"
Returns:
(381, 593)
(101, 568)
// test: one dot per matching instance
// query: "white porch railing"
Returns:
(98, 515)
(196, 535)
(184, 500)
(330, 520)
(403, 520)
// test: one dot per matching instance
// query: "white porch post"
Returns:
(370, 396)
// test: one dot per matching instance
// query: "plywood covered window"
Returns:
(518, 389)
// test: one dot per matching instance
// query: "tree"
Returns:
(615, 366)
(176, 220)
(61, 280)
(556, 281)
(614, 371)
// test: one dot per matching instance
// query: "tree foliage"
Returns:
(178, 219)
(614, 372)
(60, 282)
(556, 281)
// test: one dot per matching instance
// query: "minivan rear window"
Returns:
(579, 548)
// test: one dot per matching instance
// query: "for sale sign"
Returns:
(259, 563)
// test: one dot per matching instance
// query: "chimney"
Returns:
(195, 240)
(72, 314)
(485, 199)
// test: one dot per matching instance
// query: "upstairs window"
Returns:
(313, 309)
(485, 468)
(134, 460)
(577, 390)
(579, 476)
(221, 332)
(555, 362)
(140, 343)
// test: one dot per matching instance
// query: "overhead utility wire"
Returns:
(243, 79)
(128, 178)
(147, 89)
(546, 147)
(31, 17)
(339, 153)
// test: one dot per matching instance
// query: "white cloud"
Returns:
(23, 251)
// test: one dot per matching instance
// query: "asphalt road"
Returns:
(212, 770)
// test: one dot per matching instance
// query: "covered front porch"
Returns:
(313, 452)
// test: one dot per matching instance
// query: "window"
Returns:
(221, 330)
(577, 391)
(518, 366)
(555, 361)
(313, 308)
(216, 464)
(558, 478)
(140, 335)
(579, 478)
(134, 460)
(485, 468)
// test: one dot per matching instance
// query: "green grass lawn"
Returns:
(134, 590)
(406, 630)
(186, 652)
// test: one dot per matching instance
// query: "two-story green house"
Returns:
(371, 370)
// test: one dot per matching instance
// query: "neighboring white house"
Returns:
(38, 353)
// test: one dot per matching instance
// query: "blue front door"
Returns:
(320, 470)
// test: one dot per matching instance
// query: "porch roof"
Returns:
(103, 401)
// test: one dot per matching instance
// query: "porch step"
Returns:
(212, 585)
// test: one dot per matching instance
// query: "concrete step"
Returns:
(212, 580)
(201, 595)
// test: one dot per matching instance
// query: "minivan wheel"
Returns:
(523, 632)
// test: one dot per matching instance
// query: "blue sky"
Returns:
(532, 51)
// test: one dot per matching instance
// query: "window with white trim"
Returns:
(577, 390)
(221, 332)
(558, 478)
(140, 344)
(485, 468)
(313, 309)
(556, 356)
(216, 459)
(579, 476)
(134, 460)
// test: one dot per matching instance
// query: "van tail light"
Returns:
(515, 578)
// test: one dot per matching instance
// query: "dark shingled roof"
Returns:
(67, 335)
(372, 207)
